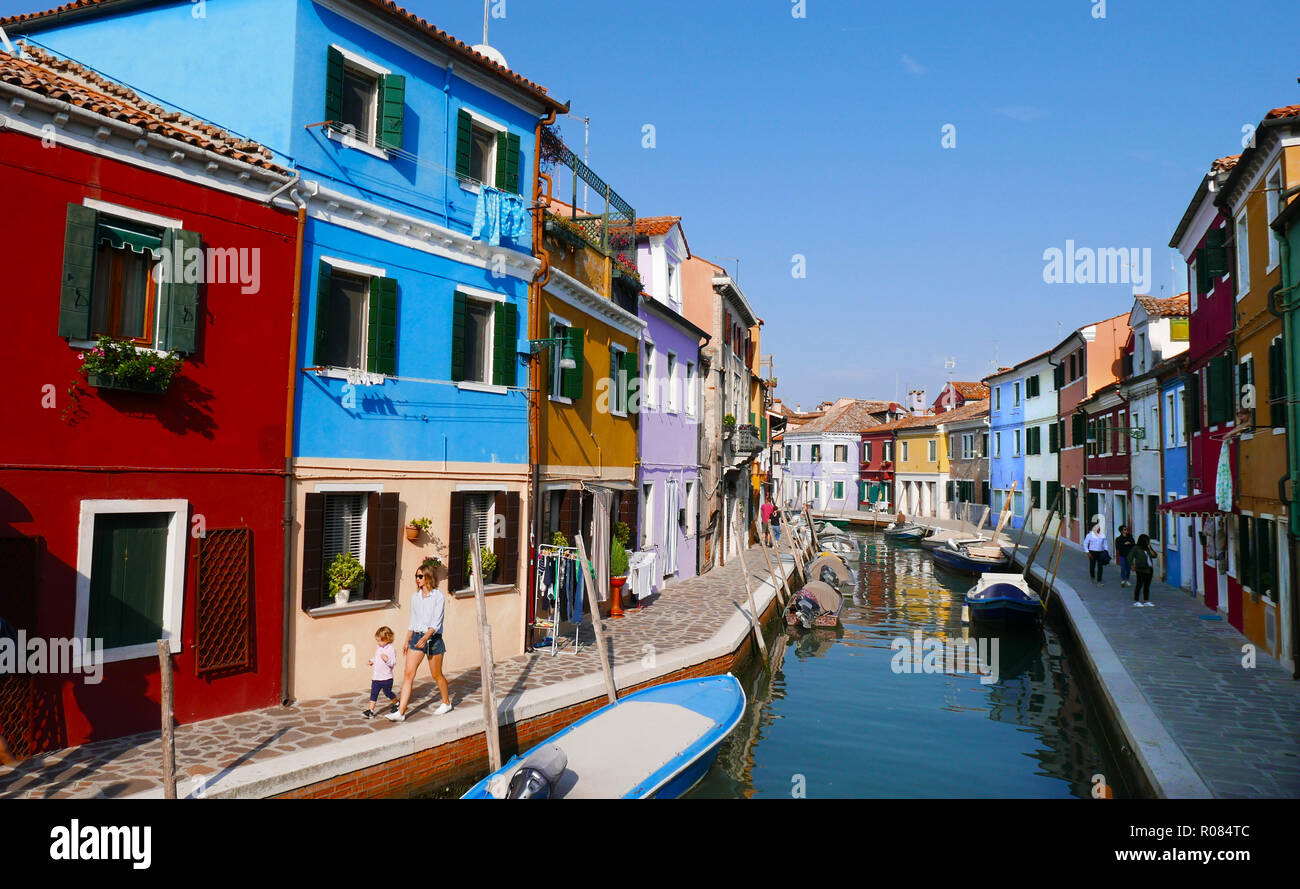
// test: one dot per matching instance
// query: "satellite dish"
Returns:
(492, 53)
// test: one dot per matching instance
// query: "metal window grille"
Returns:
(223, 604)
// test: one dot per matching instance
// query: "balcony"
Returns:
(598, 249)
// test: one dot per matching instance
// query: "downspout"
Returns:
(287, 611)
(541, 200)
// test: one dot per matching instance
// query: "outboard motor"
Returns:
(529, 784)
(537, 777)
(807, 609)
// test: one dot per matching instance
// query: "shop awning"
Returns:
(1197, 504)
(120, 236)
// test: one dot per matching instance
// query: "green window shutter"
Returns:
(464, 142)
(1214, 255)
(1202, 272)
(458, 337)
(505, 333)
(1076, 429)
(1053, 443)
(78, 272)
(381, 347)
(392, 110)
(1036, 493)
(181, 312)
(127, 574)
(508, 162)
(1053, 491)
(334, 85)
(1191, 405)
(324, 291)
(571, 380)
(630, 368)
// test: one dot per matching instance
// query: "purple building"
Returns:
(670, 409)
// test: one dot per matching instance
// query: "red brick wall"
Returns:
(466, 758)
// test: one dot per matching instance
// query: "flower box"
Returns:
(142, 387)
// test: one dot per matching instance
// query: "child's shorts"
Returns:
(384, 685)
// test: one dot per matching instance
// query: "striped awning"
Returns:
(1197, 504)
(119, 236)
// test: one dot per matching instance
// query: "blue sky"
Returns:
(821, 136)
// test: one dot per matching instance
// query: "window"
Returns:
(131, 567)
(651, 388)
(356, 318)
(997, 398)
(1272, 197)
(866, 452)
(904, 452)
(674, 285)
(1015, 397)
(1033, 387)
(1074, 366)
(690, 509)
(123, 301)
(479, 521)
(1171, 422)
(345, 530)
(364, 102)
(674, 401)
(887, 451)
(692, 405)
(816, 453)
(1153, 517)
(841, 453)
(1015, 443)
(477, 338)
(788, 450)
(839, 490)
(1245, 377)
(817, 491)
(984, 444)
(932, 451)
(1277, 387)
(798, 452)
(619, 380)
(648, 513)
(1243, 256)
(997, 444)
(1121, 438)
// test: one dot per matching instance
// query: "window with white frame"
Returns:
(997, 444)
(690, 509)
(903, 450)
(650, 390)
(479, 509)
(559, 330)
(932, 451)
(839, 490)
(1016, 440)
(692, 398)
(887, 451)
(477, 336)
(360, 102)
(1015, 394)
(841, 453)
(131, 575)
(674, 401)
(618, 383)
(1243, 255)
(647, 514)
(997, 398)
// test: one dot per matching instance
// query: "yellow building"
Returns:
(921, 466)
(1258, 555)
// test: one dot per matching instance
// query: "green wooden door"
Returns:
(128, 567)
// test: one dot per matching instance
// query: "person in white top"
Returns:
(424, 640)
(1098, 550)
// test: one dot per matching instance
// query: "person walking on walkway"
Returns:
(1143, 559)
(1096, 546)
(424, 640)
(1123, 545)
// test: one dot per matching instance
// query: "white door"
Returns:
(670, 527)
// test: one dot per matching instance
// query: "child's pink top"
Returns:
(384, 661)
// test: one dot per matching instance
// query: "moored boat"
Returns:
(940, 537)
(904, 531)
(656, 743)
(969, 558)
(1004, 598)
(817, 604)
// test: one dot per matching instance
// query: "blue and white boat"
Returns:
(1004, 598)
(656, 743)
(969, 558)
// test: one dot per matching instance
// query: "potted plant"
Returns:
(489, 561)
(416, 526)
(345, 575)
(728, 425)
(618, 566)
(119, 364)
(558, 539)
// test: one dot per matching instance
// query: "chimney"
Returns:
(916, 401)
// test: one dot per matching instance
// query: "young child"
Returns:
(381, 678)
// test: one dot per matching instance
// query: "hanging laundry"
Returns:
(498, 213)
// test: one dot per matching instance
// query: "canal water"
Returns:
(848, 712)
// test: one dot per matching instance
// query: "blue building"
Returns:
(1178, 543)
(415, 154)
(1007, 443)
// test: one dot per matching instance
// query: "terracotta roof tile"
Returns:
(44, 73)
(1173, 306)
(846, 415)
(656, 225)
(384, 6)
(1284, 111)
(1224, 164)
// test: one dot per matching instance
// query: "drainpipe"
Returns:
(541, 200)
(288, 612)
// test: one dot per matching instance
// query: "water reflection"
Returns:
(835, 716)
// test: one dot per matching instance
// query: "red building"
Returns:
(1106, 461)
(1202, 237)
(135, 508)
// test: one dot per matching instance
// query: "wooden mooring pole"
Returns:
(790, 543)
(491, 730)
(753, 609)
(777, 583)
(168, 719)
(593, 601)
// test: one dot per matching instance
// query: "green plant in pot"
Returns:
(345, 575)
(419, 526)
(488, 559)
(558, 539)
(618, 565)
(728, 424)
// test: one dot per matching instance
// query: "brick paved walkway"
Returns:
(247, 754)
(1238, 728)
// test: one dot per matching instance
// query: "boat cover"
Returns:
(828, 598)
(832, 563)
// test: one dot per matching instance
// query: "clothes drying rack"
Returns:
(547, 553)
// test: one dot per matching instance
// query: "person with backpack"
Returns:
(1143, 559)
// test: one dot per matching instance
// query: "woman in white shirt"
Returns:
(1095, 545)
(424, 640)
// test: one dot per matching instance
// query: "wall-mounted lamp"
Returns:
(567, 361)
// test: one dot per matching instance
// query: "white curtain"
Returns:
(602, 502)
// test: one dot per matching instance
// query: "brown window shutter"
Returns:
(507, 506)
(313, 551)
(456, 574)
(384, 572)
(372, 544)
(570, 515)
